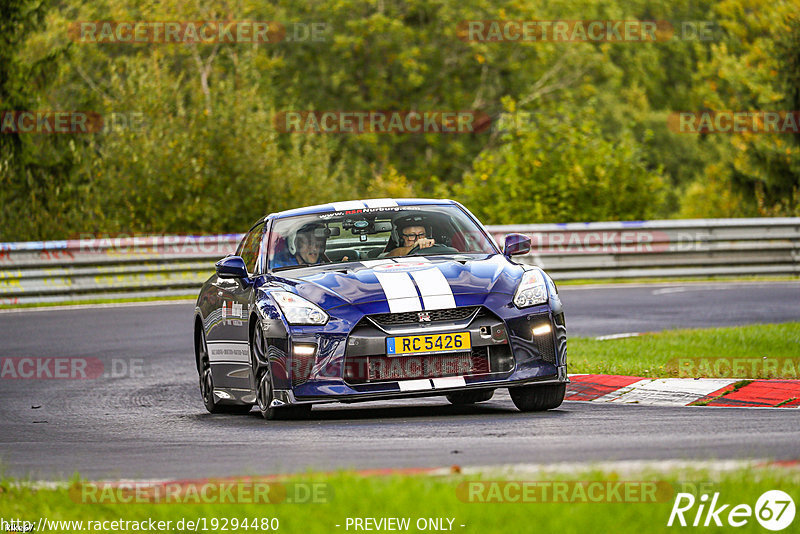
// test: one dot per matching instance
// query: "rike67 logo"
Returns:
(774, 510)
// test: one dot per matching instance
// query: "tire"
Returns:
(538, 398)
(462, 398)
(207, 382)
(263, 382)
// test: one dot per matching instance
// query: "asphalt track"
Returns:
(149, 422)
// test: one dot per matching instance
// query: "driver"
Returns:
(309, 244)
(412, 234)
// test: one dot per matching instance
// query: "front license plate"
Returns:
(428, 344)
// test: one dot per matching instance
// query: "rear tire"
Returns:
(538, 398)
(462, 398)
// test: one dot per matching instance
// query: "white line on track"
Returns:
(690, 285)
(622, 467)
(620, 336)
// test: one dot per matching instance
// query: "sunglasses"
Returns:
(413, 237)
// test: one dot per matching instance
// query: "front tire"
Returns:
(207, 382)
(263, 382)
(538, 398)
(462, 398)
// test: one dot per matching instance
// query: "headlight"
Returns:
(532, 289)
(298, 310)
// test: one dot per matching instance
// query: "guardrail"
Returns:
(125, 267)
(109, 267)
(670, 248)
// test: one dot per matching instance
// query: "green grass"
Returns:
(754, 351)
(420, 496)
(667, 279)
(96, 301)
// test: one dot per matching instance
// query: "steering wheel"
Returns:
(433, 249)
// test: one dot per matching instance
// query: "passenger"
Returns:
(309, 244)
(305, 247)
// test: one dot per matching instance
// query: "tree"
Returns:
(560, 168)
(37, 190)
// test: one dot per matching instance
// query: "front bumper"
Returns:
(286, 396)
(353, 366)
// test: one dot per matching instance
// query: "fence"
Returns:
(177, 265)
(672, 248)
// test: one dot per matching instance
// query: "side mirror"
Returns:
(516, 244)
(231, 267)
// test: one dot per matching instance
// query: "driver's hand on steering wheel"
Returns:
(425, 242)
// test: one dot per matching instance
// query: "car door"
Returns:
(240, 296)
(228, 337)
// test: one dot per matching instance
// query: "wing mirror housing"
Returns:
(516, 244)
(231, 267)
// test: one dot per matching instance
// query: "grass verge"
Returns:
(454, 501)
(97, 301)
(668, 279)
(754, 351)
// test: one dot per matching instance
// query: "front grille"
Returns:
(361, 369)
(451, 314)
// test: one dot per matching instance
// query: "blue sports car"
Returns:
(377, 299)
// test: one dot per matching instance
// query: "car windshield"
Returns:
(374, 233)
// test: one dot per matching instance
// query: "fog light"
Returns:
(542, 329)
(303, 349)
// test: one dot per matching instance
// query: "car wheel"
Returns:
(538, 398)
(461, 398)
(207, 383)
(263, 379)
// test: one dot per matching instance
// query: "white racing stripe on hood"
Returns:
(434, 288)
(401, 295)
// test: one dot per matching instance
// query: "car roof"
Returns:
(360, 204)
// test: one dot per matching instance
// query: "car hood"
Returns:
(438, 282)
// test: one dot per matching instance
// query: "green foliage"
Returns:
(754, 67)
(37, 187)
(207, 157)
(562, 169)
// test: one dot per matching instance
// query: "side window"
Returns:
(248, 249)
